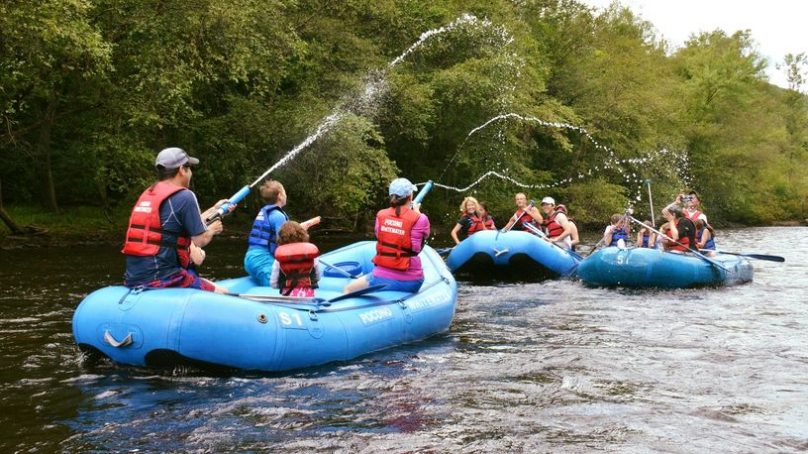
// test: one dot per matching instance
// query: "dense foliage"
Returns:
(90, 90)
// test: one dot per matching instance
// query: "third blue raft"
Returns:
(643, 267)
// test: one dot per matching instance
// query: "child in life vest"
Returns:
(617, 232)
(705, 238)
(645, 236)
(296, 269)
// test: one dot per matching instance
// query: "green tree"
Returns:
(51, 61)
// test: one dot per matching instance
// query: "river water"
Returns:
(548, 366)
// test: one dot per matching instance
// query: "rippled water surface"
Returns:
(549, 366)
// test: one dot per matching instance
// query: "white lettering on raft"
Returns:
(435, 300)
(375, 315)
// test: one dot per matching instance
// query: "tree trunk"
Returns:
(15, 229)
(44, 150)
(13, 226)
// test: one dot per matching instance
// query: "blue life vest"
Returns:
(710, 244)
(619, 234)
(645, 239)
(263, 233)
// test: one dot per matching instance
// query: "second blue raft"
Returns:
(643, 267)
(511, 252)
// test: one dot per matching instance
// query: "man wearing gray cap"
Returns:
(165, 225)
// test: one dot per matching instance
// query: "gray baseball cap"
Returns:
(174, 158)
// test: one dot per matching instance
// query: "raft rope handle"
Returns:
(497, 252)
(114, 342)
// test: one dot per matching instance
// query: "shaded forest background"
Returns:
(90, 90)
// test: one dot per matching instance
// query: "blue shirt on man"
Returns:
(179, 214)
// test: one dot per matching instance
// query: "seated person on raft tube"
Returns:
(295, 270)
(400, 232)
(680, 229)
(705, 237)
(617, 232)
(575, 238)
(263, 237)
(488, 220)
(556, 225)
(471, 220)
(645, 236)
(523, 214)
(164, 225)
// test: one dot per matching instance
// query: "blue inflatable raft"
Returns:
(261, 330)
(644, 267)
(513, 252)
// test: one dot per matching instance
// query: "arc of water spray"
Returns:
(580, 176)
(371, 90)
(611, 163)
(552, 124)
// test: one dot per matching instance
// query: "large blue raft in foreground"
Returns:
(180, 326)
(511, 252)
(644, 267)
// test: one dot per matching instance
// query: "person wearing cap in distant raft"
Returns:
(166, 230)
(556, 224)
(401, 231)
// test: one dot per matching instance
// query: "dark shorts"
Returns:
(183, 279)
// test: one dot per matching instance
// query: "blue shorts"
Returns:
(396, 286)
(258, 264)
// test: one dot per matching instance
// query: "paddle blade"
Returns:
(360, 292)
(769, 258)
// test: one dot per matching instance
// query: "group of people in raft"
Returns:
(685, 229)
(557, 227)
(167, 231)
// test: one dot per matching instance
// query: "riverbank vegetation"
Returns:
(90, 90)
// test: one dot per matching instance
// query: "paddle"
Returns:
(273, 298)
(337, 269)
(770, 258)
(302, 299)
(699, 254)
(541, 234)
(516, 217)
(355, 293)
(444, 251)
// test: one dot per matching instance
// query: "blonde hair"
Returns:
(270, 191)
(292, 232)
(466, 200)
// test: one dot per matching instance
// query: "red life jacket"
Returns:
(489, 223)
(552, 227)
(524, 218)
(296, 261)
(477, 224)
(145, 236)
(394, 245)
(694, 216)
(684, 242)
